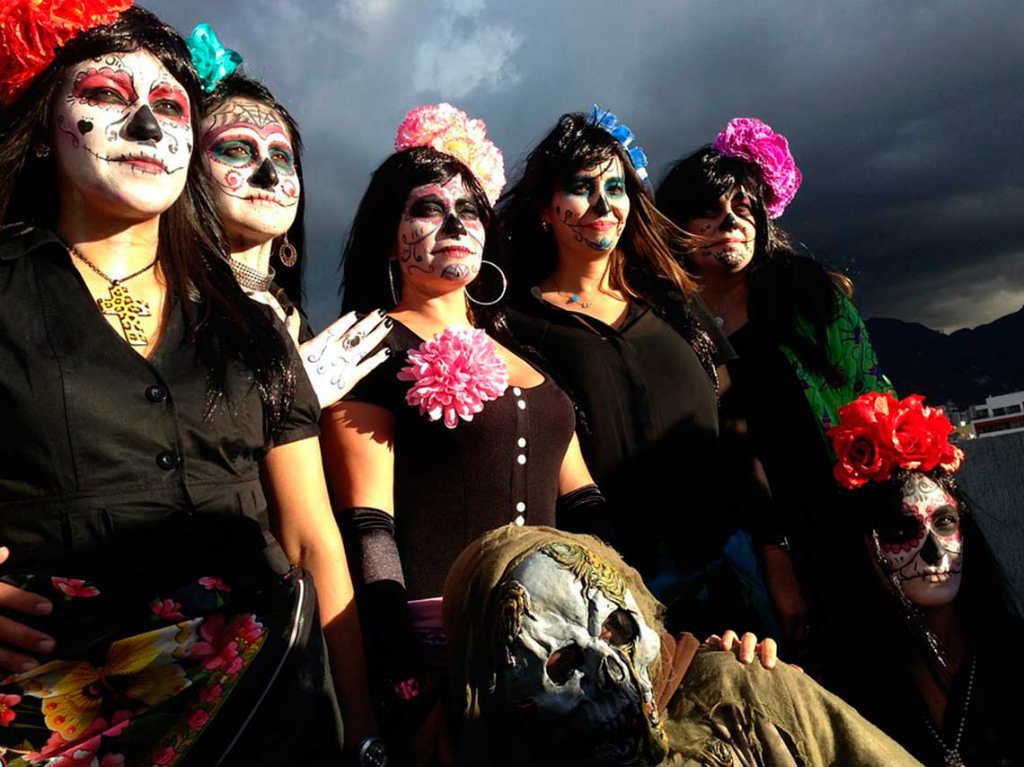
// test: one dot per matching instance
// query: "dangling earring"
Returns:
(504, 286)
(42, 150)
(287, 254)
(391, 283)
(545, 225)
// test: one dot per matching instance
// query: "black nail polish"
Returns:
(387, 352)
(290, 311)
(389, 322)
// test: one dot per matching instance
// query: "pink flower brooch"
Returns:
(747, 138)
(453, 375)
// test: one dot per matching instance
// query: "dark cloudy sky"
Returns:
(905, 116)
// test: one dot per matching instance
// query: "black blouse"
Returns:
(100, 442)
(651, 435)
(452, 485)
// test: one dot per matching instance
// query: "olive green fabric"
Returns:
(726, 714)
(722, 714)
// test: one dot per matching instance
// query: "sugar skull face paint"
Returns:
(728, 232)
(924, 546)
(123, 134)
(440, 237)
(589, 210)
(248, 150)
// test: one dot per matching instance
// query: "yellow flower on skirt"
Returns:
(140, 671)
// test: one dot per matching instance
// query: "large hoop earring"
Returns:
(504, 286)
(287, 254)
(391, 283)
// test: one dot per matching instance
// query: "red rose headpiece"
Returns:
(878, 434)
(31, 31)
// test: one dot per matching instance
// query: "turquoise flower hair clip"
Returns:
(607, 121)
(213, 62)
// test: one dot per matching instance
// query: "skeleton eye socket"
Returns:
(903, 529)
(620, 628)
(562, 662)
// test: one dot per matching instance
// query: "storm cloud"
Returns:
(905, 117)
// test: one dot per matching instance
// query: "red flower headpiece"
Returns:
(878, 434)
(31, 31)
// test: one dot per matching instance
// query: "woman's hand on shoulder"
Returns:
(746, 648)
(340, 357)
(16, 637)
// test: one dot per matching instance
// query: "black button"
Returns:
(156, 393)
(168, 460)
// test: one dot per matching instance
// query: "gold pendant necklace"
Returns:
(121, 303)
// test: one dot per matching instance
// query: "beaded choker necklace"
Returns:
(951, 754)
(249, 278)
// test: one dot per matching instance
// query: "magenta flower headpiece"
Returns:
(450, 130)
(747, 138)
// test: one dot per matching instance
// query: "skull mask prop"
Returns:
(574, 662)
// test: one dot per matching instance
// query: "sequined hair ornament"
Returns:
(451, 131)
(619, 131)
(31, 31)
(212, 60)
(747, 138)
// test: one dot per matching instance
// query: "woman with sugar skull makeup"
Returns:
(166, 624)
(457, 433)
(934, 590)
(253, 150)
(559, 657)
(803, 350)
(596, 287)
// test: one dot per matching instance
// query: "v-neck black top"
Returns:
(651, 433)
(452, 485)
(99, 440)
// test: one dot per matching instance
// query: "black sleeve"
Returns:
(747, 481)
(382, 387)
(304, 418)
(723, 349)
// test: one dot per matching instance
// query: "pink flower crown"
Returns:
(747, 138)
(453, 375)
(31, 31)
(450, 130)
(878, 434)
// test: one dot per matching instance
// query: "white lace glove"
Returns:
(334, 360)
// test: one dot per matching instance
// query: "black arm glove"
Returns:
(585, 510)
(391, 652)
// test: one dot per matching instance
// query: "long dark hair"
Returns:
(646, 265)
(784, 284)
(220, 319)
(986, 602)
(237, 85)
(371, 241)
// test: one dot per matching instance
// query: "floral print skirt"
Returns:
(192, 673)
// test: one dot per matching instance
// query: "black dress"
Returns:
(145, 522)
(452, 485)
(650, 438)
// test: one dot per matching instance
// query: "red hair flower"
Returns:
(878, 434)
(31, 31)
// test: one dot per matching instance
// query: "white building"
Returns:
(1001, 414)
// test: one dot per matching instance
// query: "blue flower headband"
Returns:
(619, 131)
(213, 62)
